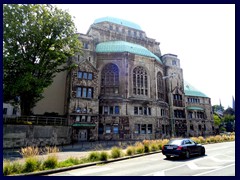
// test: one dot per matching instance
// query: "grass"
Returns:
(32, 163)
(94, 156)
(69, 162)
(51, 162)
(116, 152)
(103, 156)
(139, 148)
(130, 151)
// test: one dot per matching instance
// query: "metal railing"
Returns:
(35, 120)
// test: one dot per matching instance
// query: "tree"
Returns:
(217, 120)
(217, 108)
(37, 43)
(228, 118)
(229, 111)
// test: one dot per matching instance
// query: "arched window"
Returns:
(160, 87)
(140, 81)
(110, 79)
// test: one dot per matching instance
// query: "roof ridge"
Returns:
(118, 21)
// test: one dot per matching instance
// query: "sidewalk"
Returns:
(78, 150)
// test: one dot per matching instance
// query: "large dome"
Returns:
(189, 90)
(118, 21)
(123, 46)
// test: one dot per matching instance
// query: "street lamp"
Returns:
(170, 102)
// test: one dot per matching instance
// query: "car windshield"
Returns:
(175, 142)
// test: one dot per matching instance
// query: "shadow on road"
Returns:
(179, 159)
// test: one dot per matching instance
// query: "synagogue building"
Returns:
(124, 88)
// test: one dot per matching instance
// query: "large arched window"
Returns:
(140, 81)
(160, 87)
(110, 79)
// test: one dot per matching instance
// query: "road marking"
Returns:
(193, 166)
(78, 172)
(162, 172)
(200, 174)
(220, 160)
(218, 148)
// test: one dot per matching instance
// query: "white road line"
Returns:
(78, 172)
(200, 174)
(193, 166)
(153, 173)
(220, 160)
(218, 148)
(160, 173)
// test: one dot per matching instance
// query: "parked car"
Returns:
(182, 148)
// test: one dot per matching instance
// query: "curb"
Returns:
(52, 171)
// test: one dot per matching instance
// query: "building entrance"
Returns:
(82, 135)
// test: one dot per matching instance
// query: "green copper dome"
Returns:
(189, 90)
(123, 46)
(118, 21)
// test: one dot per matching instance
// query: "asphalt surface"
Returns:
(218, 161)
(80, 151)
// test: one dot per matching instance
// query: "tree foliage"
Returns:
(217, 120)
(37, 41)
(228, 118)
(229, 111)
(217, 108)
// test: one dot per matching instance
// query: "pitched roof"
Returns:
(189, 90)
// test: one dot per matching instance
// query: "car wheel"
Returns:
(168, 157)
(203, 151)
(187, 155)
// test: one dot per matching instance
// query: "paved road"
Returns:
(218, 161)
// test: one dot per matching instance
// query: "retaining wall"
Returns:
(15, 136)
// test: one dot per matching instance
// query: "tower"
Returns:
(233, 103)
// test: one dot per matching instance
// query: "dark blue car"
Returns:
(183, 148)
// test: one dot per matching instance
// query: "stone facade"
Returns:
(132, 96)
(28, 135)
(125, 89)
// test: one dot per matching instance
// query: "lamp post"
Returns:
(170, 103)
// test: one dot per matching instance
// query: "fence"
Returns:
(36, 120)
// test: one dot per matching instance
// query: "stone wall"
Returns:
(34, 135)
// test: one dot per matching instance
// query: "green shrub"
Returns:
(164, 141)
(116, 152)
(201, 140)
(7, 167)
(146, 148)
(139, 148)
(17, 167)
(130, 150)
(232, 137)
(94, 156)
(103, 156)
(154, 147)
(51, 162)
(31, 164)
(69, 162)
(12, 167)
(195, 139)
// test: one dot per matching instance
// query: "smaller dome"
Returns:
(189, 90)
(123, 46)
(118, 21)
